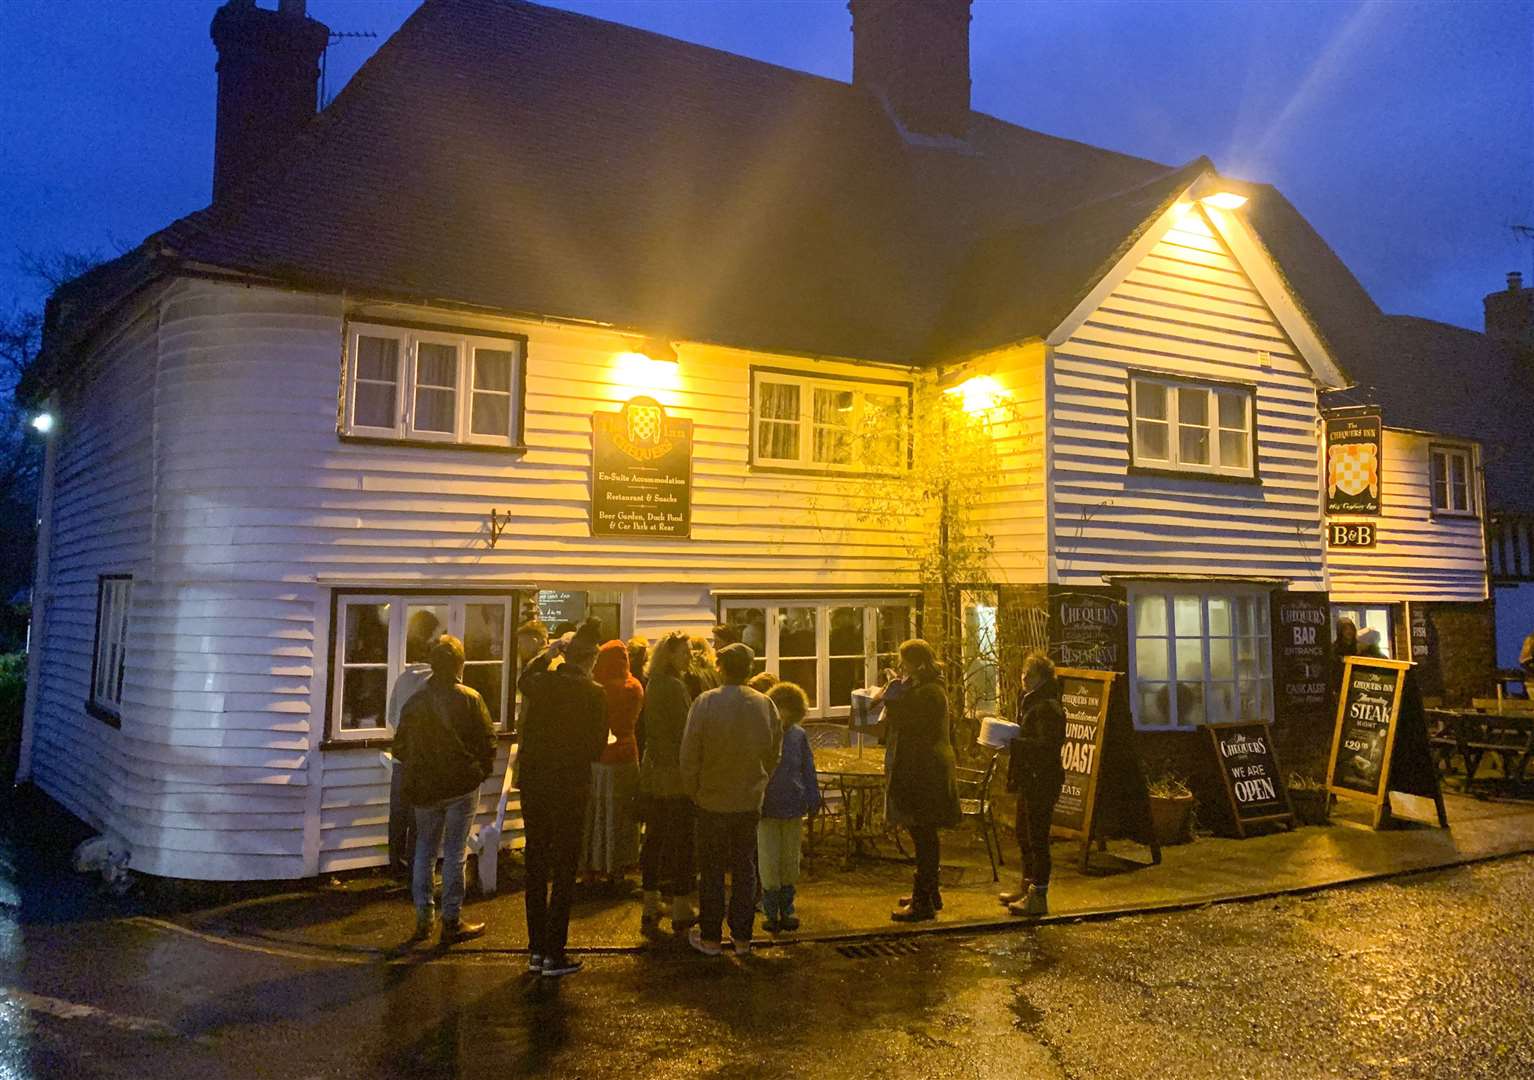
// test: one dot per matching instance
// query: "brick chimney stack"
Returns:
(915, 54)
(1510, 316)
(268, 71)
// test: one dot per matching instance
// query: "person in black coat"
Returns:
(1035, 773)
(564, 730)
(923, 792)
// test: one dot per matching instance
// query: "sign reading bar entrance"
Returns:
(1248, 765)
(641, 471)
(1104, 795)
(1380, 742)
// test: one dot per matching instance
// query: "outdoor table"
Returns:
(1472, 734)
(858, 773)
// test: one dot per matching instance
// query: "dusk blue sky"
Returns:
(1403, 130)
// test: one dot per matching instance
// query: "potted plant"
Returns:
(1310, 799)
(1171, 809)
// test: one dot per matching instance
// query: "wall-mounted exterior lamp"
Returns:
(979, 394)
(655, 348)
(42, 423)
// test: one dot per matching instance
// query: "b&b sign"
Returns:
(1350, 535)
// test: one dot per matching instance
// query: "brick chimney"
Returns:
(1510, 316)
(268, 70)
(915, 55)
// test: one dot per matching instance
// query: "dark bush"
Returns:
(13, 692)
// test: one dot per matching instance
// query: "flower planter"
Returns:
(1312, 806)
(1170, 817)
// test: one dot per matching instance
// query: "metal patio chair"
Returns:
(975, 805)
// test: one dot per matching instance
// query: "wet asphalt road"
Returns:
(1429, 976)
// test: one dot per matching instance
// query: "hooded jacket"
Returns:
(1035, 760)
(625, 697)
(564, 729)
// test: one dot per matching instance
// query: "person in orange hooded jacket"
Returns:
(611, 843)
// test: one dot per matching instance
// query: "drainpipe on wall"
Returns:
(42, 594)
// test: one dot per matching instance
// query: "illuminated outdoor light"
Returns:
(654, 348)
(979, 394)
(42, 423)
(1224, 200)
(643, 371)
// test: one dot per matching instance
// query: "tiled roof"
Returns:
(529, 160)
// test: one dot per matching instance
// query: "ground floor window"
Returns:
(114, 596)
(982, 686)
(1365, 617)
(375, 636)
(1200, 654)
(828, 647)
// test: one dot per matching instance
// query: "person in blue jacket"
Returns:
(792, 794)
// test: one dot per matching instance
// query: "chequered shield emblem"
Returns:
(1352, 469)
(644, 422)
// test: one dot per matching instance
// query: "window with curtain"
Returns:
(375, 636)
(1200, 655)
(1192, 427)
(433, 386)
(828, 647)
(827, 425)
(1452, 483)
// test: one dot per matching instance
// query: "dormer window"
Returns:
(1189, 426)
(421, 385)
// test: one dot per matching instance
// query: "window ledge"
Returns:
(105, 715)
(1454, 515)
(434, 444)
(834, 474)
(1194, 474)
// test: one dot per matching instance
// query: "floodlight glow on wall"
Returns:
(1224, 200)
(42, 423)
(979, 394)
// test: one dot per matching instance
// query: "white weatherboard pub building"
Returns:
(290, 425)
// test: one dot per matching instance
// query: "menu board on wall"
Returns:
(1301, 653)
(1353, 464)
(1424, 649)
(641, 472)
(1089, 628)
(557, 606)
(1248, 765)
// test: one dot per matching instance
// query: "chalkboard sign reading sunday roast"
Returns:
(1378, 744)
(641, 471)
(1085, 696)
(1248, 765)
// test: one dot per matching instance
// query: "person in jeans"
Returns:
(401, 814)
(729, 751)
(1035, 773)
(446, 742)
(922, 792)
(792, 794)
(666, 862)
(564, 730)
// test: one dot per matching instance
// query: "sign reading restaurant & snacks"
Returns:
(1353, 464)
(641, 471)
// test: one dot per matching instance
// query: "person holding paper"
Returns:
(1035, 773)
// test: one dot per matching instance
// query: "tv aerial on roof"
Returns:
(335, 36)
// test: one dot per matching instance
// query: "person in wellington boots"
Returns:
(923, 793)
(666, 864)
(729, 750)
(1035, 773)
(792, 794)
(446, 742)
(564, 730)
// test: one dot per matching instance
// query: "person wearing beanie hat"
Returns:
(446, 742)
(564, 730)
(729, 750)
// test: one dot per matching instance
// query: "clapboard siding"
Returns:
(1186, 309)
(1417, 556)
(1014, 512)
(102, 518)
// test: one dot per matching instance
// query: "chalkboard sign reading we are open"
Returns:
(1380, 742)
(1248, 765)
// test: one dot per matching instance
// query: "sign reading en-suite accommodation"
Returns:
(1353, 464)
(641, 471)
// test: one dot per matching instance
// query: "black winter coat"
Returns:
(446, 741)
(922, 785)
(1035, 756)
(564, 730)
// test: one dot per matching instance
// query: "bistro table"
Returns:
(1472, 734)
(857, 774)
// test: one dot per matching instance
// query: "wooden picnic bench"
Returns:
(1473, 735)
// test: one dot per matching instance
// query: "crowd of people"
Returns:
(689, 745)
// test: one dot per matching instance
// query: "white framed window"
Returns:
(1452, 480)
(1366, 617)
(428, 385)
(829, 647)
(1199, 655)
(802, 422)
(374, 636)
(114, 598)
(1192, 427)
(982, 676)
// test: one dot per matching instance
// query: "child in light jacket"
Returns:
(792, 793)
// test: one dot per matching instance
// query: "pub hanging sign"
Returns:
(641, 471)
(1353, 464)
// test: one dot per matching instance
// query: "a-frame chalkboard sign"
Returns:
(1254, 785)
(1104, 796)
(1380, 742)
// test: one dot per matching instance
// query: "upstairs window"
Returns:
(114, 597)
(1192, 427)
(800, 422)
(1453, 491)
(435, 386)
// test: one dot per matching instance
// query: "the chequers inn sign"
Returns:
(641, 474)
